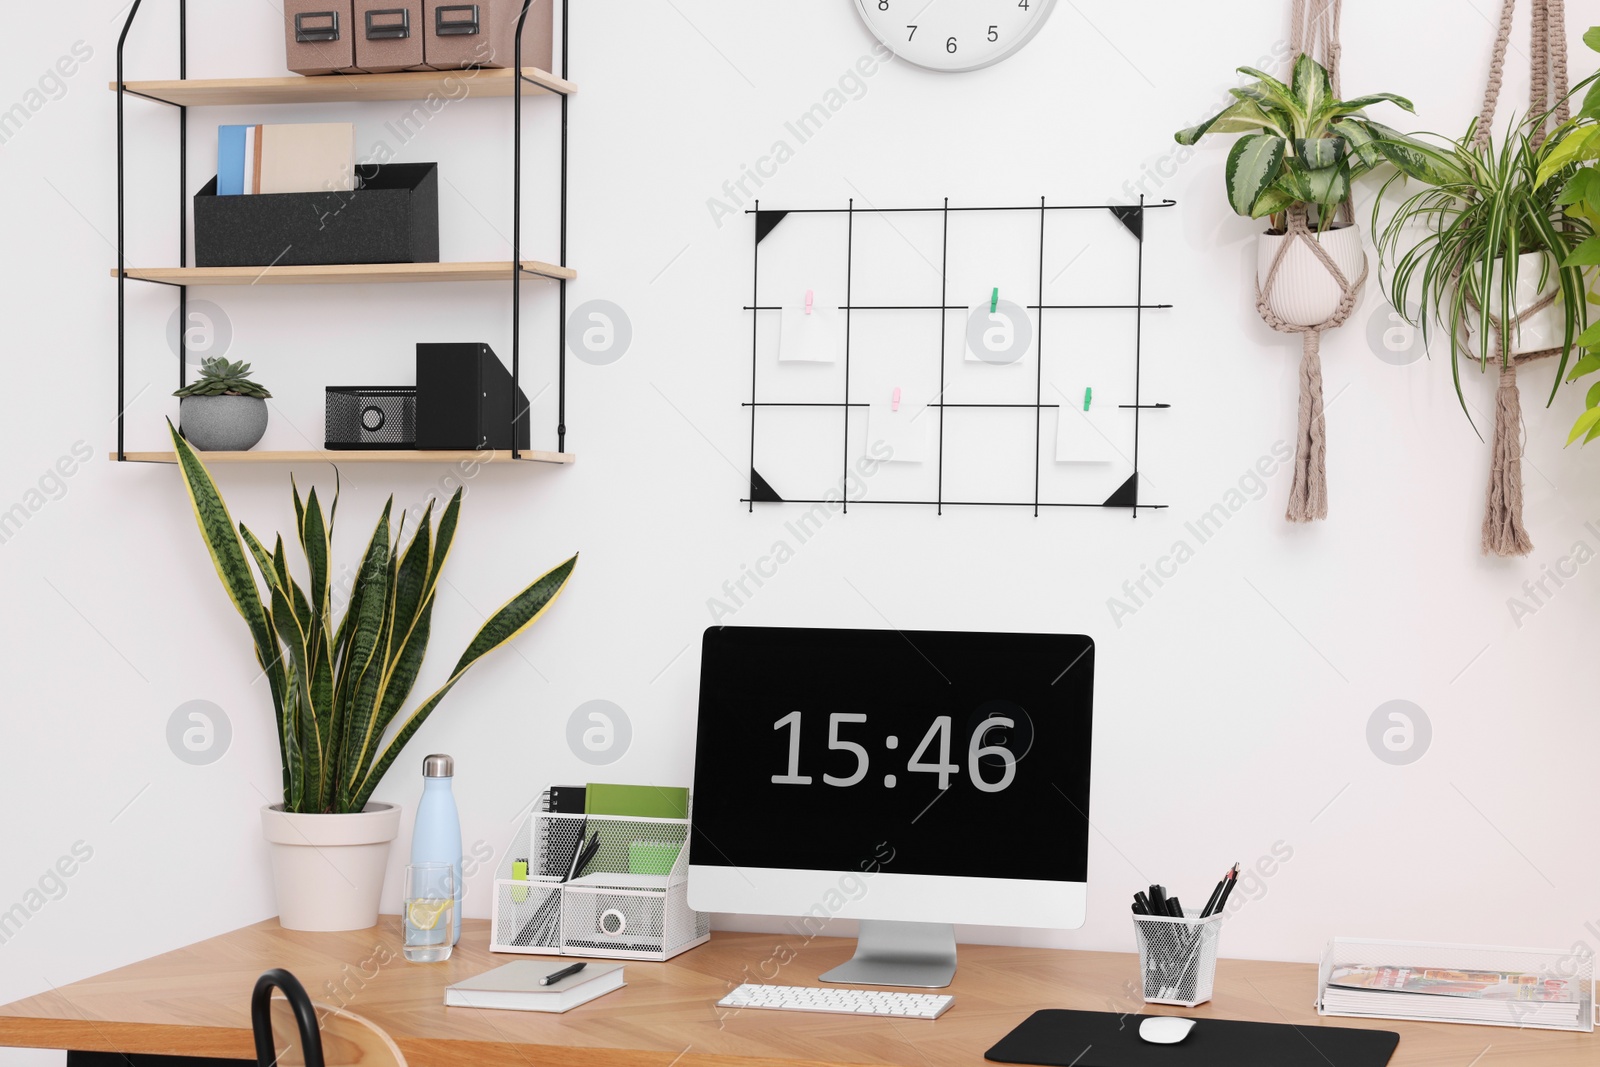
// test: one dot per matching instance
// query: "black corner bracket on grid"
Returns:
(1132, 218)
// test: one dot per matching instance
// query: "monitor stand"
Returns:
(922, 955)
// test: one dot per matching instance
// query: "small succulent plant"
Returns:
(218, 377)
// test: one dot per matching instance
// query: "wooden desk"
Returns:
(195, 1002)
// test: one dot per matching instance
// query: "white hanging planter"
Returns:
(1543, 329)
(1304, 293)
(328, 870)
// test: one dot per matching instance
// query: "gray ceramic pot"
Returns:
(222, 423)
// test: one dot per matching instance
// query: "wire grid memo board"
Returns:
(859, 393)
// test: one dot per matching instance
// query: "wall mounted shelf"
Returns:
(408, 455)
(347, 88)
(346, 274)
(183, 93)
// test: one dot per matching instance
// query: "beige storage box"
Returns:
(484, 34)
(389, 35)
(321, 36)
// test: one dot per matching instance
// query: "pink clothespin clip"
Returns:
(809, 298)
(894, 404)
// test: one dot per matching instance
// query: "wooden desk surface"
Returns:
(195, 1001)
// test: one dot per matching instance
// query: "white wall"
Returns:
(1232, 707)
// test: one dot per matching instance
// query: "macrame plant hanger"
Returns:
(1503, 531)
(1314, 32)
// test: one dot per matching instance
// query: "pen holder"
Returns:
(1178, 957)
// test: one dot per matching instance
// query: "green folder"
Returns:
(640, 801)
(619, 850)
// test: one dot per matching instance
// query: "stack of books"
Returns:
(311, 157)
(1505, 998)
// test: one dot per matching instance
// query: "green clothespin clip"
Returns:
(994, 301)
(1088, 395)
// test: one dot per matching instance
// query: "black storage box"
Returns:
(392, 218)
(464, 399)
(370, 417)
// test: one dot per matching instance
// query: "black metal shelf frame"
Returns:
(1132, 218)
(517, 269)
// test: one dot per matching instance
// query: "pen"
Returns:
(588, 856)
(581, 855)
(1158, 900)
(1227, 891)
(565, 972)
(1174, 909)
(1142, 902)
(1211, 902)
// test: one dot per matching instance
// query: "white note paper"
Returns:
(814, 338)
(1083, 436)
(905, 432)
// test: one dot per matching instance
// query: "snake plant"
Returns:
(1303, 146)
(337, 691)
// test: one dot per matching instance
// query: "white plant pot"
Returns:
(328, 869)
(1304, 293)
(1541, 330)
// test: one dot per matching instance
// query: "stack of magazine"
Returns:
(1502, 997)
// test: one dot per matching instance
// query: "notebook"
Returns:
(640, 801)
(310, 157)
(515, 986)
(230, 159)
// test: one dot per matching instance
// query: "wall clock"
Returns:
(954, 35)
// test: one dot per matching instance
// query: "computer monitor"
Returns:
(908, 779)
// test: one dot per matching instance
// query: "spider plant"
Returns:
(1302, 146)
(336, 692)
(1484, 208)
(1570, 155)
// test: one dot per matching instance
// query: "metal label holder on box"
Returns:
(630, 901)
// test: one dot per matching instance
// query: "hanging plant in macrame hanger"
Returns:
(1303, 148)
(1490, 267)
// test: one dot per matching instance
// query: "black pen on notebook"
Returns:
(565, 972)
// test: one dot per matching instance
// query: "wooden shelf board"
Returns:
(408, 455)
(344, 273)
(345, 88)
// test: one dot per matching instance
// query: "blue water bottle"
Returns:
(437, 836)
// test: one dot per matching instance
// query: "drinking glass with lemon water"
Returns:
(429, 911)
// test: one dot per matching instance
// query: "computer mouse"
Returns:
(1165, 1029)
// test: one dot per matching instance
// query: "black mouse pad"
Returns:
(1104, 1039)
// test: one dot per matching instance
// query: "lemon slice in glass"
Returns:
(425, 914)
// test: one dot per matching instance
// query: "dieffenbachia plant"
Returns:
(1303, 146)
(336, 692)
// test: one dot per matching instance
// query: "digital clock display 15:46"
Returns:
(989, 766)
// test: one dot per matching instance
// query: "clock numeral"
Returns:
(950, 45)
(977, 750)
(944, 768)
(794, 777)
(1023, 4)
(834, 742)
(913, 32)
(994, 33)
(883, 5)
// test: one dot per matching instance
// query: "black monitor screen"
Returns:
(958, 754)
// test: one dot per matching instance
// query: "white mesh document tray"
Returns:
(630, 901)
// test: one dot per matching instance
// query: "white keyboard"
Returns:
(836, 1001)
